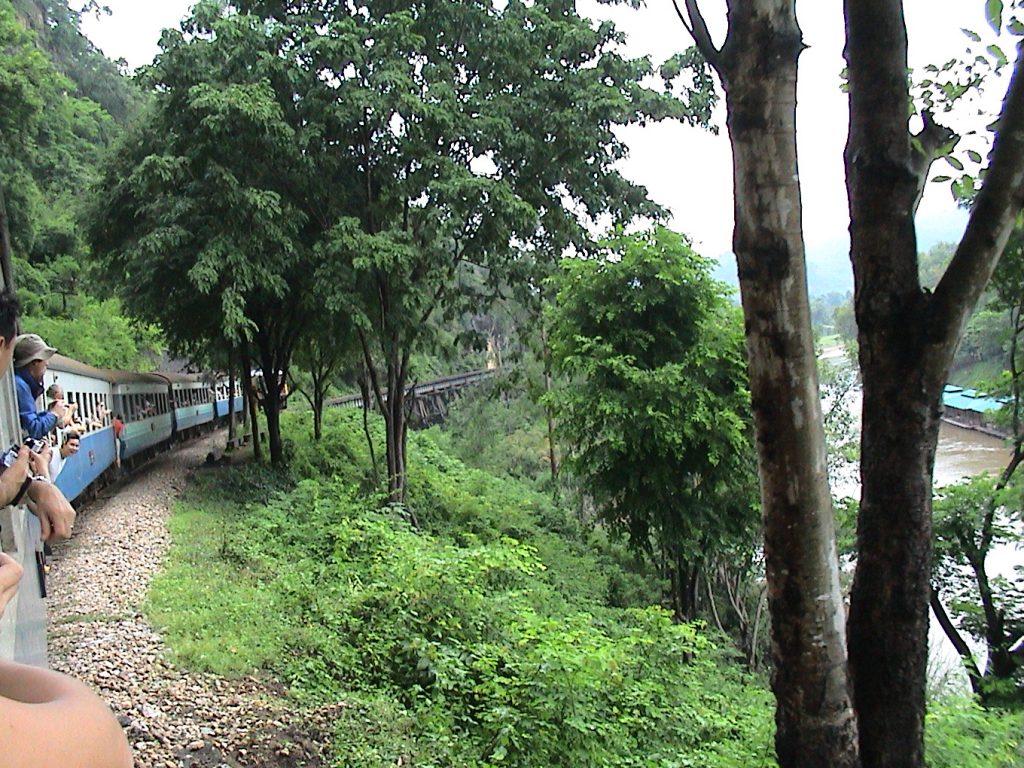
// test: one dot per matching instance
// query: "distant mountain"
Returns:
(58, 34)
(828, 263)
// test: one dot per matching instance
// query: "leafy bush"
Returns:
(960, 734)
(486, 641)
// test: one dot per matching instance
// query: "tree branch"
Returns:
(992, 219)
(698, 30)
(371, 370)
(955, 638)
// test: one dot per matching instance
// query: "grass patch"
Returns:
(215, 614)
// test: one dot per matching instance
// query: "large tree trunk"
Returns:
(318, 416)
(231, 401)
(907, 338)
(367, 398)
(272, 409)
(253, 410)
(815, 721)
(900, 423)
(395, 423)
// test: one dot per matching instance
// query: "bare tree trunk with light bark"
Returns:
(758, 68)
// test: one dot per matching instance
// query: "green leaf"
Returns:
(954, 162)
(994, 14)
(972, 35)
(997, 53)
(939, 179)
(975, 156)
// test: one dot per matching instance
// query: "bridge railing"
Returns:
(435, 387)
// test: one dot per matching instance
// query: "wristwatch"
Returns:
(21, 491)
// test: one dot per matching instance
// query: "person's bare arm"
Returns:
(55, 513)
(10, 575)
(48, 720)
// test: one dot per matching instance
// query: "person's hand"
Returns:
(14, 476)
(55, 513)
(41, 461)
(59, 409)
(10, 575)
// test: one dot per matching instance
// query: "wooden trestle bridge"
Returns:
(429, 401)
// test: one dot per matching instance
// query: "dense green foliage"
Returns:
(972, 521)
(489, 640)
(97, 78)
(406, 187)
(52, 135)
(655, 408)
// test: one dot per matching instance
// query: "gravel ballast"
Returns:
(173, 718)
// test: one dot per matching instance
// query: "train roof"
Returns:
(180, 380)
(127, 377)
(66, 364)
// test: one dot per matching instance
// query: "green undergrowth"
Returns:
(498, 634)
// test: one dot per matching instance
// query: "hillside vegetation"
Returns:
(500, 633)
(62, 107)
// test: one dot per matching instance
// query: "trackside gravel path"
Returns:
(173, 718)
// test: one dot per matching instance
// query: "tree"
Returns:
(971, 520)
(871, 713)
(481, 135)
(323, 354)
(655, 408)
(199, 237)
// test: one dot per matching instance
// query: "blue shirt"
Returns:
(37, 423)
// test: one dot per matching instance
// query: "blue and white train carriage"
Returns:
(191, 401)
(154, 407)
(224, 397)
(91, 389)
(143, 400)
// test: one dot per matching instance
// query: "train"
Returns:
(157, 409)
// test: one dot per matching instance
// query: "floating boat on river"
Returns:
(971, 409)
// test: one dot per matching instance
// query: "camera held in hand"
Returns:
(11, 455)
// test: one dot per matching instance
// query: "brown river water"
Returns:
(964, 452)
(961, 453)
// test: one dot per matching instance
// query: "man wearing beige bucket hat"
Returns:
(31, 358)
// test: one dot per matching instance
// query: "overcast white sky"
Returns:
(689, 170)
